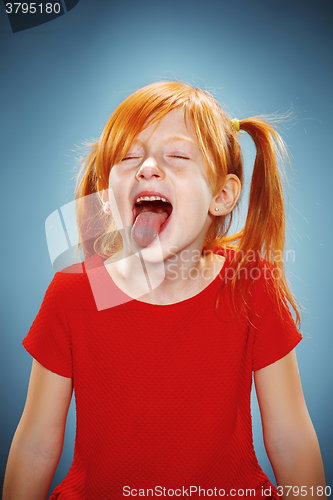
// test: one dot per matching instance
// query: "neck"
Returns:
(175, 279)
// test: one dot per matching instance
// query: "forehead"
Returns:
(173, 124)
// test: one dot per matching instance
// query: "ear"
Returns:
(225, 201)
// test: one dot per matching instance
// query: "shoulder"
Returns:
(253, 281)
(70, 287)
(254, 271)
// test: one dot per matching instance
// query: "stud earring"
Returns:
(107, 208)
(216, 209)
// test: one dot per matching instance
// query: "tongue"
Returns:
(147, 226)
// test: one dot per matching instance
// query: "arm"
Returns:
(290, 439)
(38, 440)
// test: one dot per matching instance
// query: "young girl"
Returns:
(161, 327)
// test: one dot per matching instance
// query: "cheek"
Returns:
(202, 195)
(117, 197)
(195, 211)
(113, 178)
(116, 184)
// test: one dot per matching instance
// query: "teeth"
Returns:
(150, 198)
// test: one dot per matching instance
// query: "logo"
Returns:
(145, 264)
(26, 15)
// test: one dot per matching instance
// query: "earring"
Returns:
(216, 209)
(106, 207)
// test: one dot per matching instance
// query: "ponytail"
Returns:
(263, 236)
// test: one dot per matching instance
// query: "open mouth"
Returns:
(150, 216)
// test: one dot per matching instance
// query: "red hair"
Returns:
(264, 232)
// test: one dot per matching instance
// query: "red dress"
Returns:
(162, 391)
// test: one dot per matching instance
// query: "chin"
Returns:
(152, 253)
(153, 261)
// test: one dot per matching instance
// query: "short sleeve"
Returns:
(48, 340)
(275, 333)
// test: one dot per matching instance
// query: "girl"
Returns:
(160, 328)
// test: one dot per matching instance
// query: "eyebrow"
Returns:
(172, 139)
(181, 138)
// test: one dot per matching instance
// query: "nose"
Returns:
(148, 170)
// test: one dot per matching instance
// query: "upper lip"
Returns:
(150, 193)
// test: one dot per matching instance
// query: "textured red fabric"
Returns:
(162, 392)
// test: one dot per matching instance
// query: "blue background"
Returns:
(59, 83)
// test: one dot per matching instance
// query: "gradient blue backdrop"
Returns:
(60, 82)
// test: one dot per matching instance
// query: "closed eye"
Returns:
(131, 158)
(179, 156)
